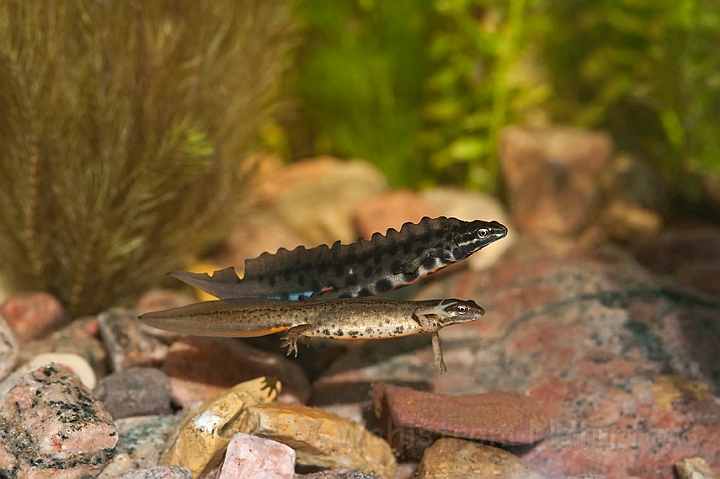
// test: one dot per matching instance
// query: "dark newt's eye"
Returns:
(461, 309)
(482, 233)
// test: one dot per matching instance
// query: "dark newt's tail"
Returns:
(223, 284)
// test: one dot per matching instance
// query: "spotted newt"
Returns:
(336, 319)
(363, 268)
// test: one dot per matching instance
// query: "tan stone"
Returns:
(450, 457)
(693, 468)
(199, 441)
(321, 439)
(317, 197)
(626, 221)
(391, 210)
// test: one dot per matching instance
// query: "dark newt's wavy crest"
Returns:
(268, 264)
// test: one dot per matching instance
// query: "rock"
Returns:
(32, 315)
(317, 197)
(199, 441)
(135, 392)
(691, 255)
(141, 441)
(79, 337)
(458, 458)
(248, 456)
(628, 222)
(468, 206)
(552, 176)
(412, 420)
(260, 232)
(693, 468)
(75, 363)
(8, 383)
(321, 439)
(158, 472)
(50, 426)
(159, 299)
(586, 339)
(339, 474)
(9, 350)
(127, 341)
(390, 210)
(201, 368)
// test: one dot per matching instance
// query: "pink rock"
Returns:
(128, 342)
(552, 176)
(412, 420)
(158, 472)
(249, 456)
(50, 426)
(201, 368)
(32, 315)
(589, 341)
(391, 210)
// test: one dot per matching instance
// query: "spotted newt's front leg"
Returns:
(291, 336)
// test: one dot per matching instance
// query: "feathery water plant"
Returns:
(123, 126)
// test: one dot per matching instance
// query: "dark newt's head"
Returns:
(475, 235)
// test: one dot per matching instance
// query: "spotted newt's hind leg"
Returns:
(291, 337)
(413, 265)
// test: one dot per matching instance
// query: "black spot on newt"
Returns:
(383, 285)
(367, 272)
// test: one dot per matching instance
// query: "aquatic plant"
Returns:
(123, 127)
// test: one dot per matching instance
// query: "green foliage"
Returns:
(484, 77)
(419, 87)
(649, 71)
(122, 129)
(360, 80)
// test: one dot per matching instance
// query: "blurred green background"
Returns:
(421, 87)
(125, 126)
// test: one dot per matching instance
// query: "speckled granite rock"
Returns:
(201, 368)
(339, 474)
(9, 350)
(412, 420)
(450, 457)
(141, 441)
(135, 392)
(320, 438)
(50, 426)
(249, 456)
(158, 472)
(127, 341)
(32, 315)
(586, 339)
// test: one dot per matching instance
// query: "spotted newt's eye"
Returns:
(482, 233)
(461, 309)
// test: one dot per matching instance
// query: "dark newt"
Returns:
(335, 319)
(363, 268)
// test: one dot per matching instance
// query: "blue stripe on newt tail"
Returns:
(363, 268)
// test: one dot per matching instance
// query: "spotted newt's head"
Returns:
(477, 234)
(447, 312)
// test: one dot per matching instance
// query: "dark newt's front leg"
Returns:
(412, 266)
(291, 337)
